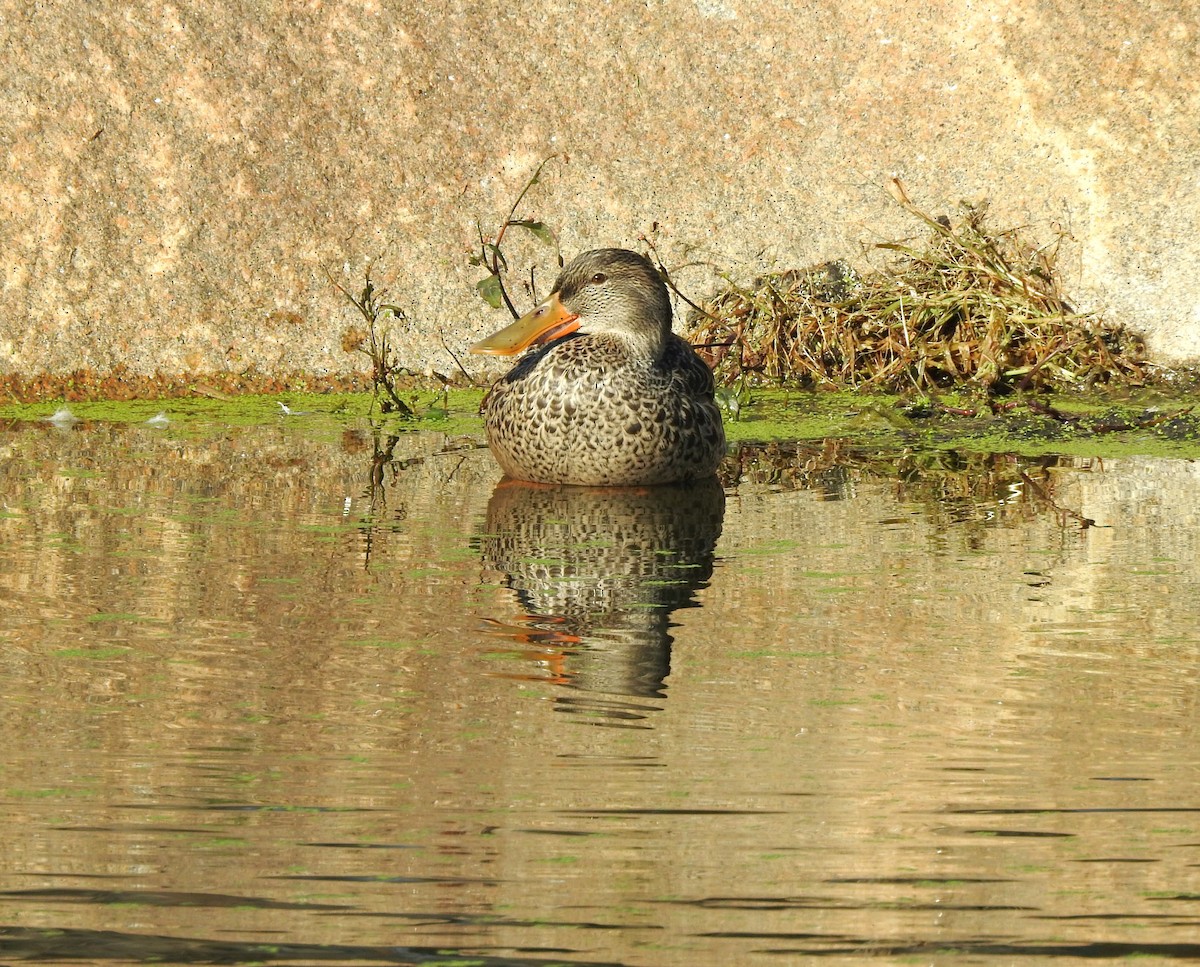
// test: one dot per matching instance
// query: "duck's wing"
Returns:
(682, 363)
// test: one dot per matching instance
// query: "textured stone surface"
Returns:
(178, 180)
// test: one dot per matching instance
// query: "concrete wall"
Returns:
(177, 179)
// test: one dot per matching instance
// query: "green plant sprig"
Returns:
(377, 345)
(491, 288)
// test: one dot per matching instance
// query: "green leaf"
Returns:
(489, 290)
(539, 229)
(497, 255)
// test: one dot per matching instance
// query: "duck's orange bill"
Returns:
(549, 321)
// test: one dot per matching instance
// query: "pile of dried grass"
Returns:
(969, 306)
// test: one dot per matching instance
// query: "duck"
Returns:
(607, 394)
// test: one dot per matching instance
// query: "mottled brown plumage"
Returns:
(614, 397)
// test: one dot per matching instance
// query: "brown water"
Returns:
(307, 694)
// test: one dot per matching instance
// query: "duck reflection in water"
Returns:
(598, 572)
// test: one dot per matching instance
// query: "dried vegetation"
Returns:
(121, 384)
(968, 306)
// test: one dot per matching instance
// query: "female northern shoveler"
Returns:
(611, 396)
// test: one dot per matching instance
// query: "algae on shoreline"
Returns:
(1097, 424)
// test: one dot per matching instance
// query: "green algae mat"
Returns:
(1150, 422)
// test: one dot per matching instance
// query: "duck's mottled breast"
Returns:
(581, 410)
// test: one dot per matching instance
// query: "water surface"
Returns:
(321, 693)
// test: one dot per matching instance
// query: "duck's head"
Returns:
(608, 291)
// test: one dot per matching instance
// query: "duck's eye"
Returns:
(599, 277)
